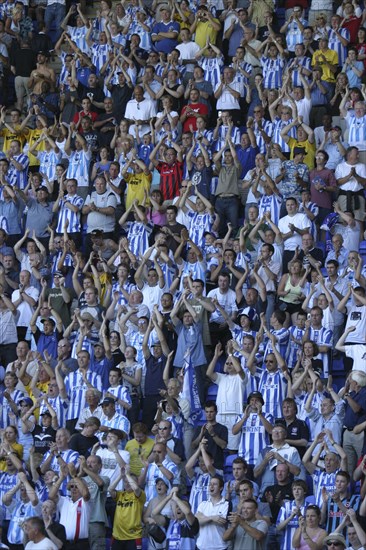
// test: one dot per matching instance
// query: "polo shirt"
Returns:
(210, 535)
(69, 511)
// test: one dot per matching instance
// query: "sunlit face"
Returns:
(214, 487)
(312, 518)
(114, 378)
(248, 511)
(288, 409)
(62, 439)
(210, 414)
(270, 362)
(245, 491)
(331, 462)
(298, 492)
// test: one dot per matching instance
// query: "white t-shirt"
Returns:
(230, 393)
(358, 354)
(68, 517)
(226, 99)
(344, 169)
(356, 317)
(351, 236)
(45, 544)
(226, 300)
(188, 51)
(25, 310)
(301, 221)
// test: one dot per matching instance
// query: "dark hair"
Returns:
(332, 262)
(290, 401)
(315, 508)
(344, 474)
(240, 460)
(210, 404)
(280, 315)
(252, 501)
(324, 153)
(246, 482)
(172, 207)
(221, 480)
(299, 483)
(302, 312)
(315, 345)
(269, 246)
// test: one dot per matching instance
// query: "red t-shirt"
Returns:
(200, 108)
(171, 176)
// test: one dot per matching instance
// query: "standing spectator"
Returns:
(100, 207)
(165, 33)
(227, 190)
(22, 61)
(230, 392)
(205, 25)
(170, 169)
(25, 300)
(212, 516)
(271, 456)
(74, 510)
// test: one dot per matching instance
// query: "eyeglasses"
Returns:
(165, 428)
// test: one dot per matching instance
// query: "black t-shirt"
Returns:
(277, 494)
(82, 444)
(315, 253)
(43, 437)
(59, 531)
(298, 430)
(216, 451)
(154, 375)
(98, 95)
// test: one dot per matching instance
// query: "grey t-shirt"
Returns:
(98, 498)
(244, 540)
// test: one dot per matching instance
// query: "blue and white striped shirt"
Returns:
(76, 389)
(67, 214)
(273, 387)
(253, 436)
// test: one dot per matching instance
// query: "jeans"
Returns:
(97, 532)
(228, 211)
(55, 13)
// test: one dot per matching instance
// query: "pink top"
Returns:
(304, 545)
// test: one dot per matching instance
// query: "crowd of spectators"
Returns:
(182, 288)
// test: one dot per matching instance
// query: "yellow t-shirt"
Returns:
(18, 448)
(136, 185)
(203, 30)
(332, 58)
(103, 279)
(32, 137)
(309, 158)
(10, 136)
(127, 523)
(137, 453)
